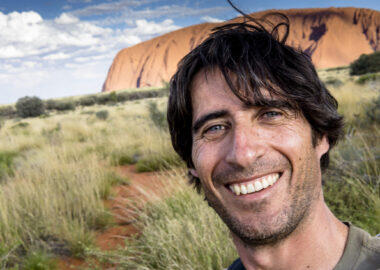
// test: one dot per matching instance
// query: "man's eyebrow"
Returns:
(199, 122)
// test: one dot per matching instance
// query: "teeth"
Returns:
(258, 186)
(265, 183)
(250, 188)
(237, 189)
(254, 186)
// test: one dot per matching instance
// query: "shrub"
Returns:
(368, 77)
(107, 98)
(65, 105)
(50, 104)
(6, 164)
(8, 111)
(366, 63)
(158, 117)
(30, 107)
(333, 82)
(87, 101)
(103, 114)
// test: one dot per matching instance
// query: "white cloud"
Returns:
(66, 19)
(66, 53)
(211, 19)
(111, 7)
(144, 27)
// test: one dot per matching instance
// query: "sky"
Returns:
(58, 48)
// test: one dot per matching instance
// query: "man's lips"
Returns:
(254, 185)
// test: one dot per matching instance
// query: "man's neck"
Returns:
(317, 243)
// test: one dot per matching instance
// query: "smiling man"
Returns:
(255, 124)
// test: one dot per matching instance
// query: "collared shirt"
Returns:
(362, 252)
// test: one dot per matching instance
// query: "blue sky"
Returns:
(55, 48)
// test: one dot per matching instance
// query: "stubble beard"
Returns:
(269, 232)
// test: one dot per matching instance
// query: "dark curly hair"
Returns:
(251, 59)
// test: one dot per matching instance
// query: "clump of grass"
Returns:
(6, 164)
(352, 184)
(39, 260)
(158, 161)
(368, 78)
(103, 114)
(158, 117)
(179, 232)
(331, 81)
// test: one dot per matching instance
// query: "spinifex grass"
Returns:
(178, 232)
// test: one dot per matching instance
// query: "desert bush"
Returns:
(367, 78)
(158, 117)
(87, 101)
(110, 98)
(103, 114)
(158, 161)
(30, 107)
(65, 105)
(331, 81)
(8, 111)
(366, 63)
(6, 164)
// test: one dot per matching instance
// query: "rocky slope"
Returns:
(332, 36)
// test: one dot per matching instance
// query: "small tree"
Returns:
(30, 107)
(366, 63)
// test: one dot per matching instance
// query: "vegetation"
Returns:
(30, 107)
(366, 63)
(55, 173)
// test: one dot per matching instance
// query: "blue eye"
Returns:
(271, 114)
(215, 128)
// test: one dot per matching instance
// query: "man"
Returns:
(255, 124)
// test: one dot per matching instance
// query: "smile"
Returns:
(254, 185)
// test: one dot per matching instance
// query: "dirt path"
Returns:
(143, 187)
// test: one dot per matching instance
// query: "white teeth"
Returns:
(265, 183)
(237, 189)
(258, 186)
(243, 189)
(250, 188)
(254, 186)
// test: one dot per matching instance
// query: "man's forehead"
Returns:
(210, 86)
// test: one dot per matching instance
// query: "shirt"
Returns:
(362, 252)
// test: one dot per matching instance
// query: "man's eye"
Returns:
(271, 114)
(214, 131)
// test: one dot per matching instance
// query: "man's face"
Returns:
(257, 165)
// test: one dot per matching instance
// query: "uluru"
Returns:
(331, 36)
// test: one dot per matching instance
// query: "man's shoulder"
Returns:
(362, 251)
(236, 265)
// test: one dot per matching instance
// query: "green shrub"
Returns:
(333, 82)
(6, 164)
(367, 78)
(50, 104)
(87, 101)
(158, 161)
(103, 114)
(110, 98)
(8, 111)
(65, 105)
(366, 63)
(158, 117)
(39, 260)
(30, 107)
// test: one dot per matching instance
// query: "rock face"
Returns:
(332, 36)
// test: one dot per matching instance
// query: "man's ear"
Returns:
(322, 146)
(194, 173)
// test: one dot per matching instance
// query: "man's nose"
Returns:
(245, 147)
